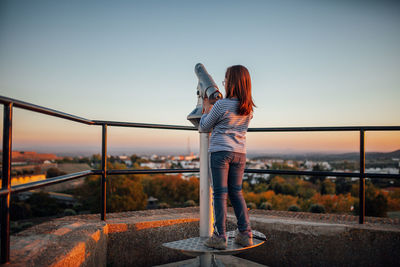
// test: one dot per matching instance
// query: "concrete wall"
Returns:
(144, 247)
(303, 243)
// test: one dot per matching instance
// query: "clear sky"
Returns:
(313, 63)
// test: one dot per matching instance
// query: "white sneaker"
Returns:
(216, 242)
(244, 239)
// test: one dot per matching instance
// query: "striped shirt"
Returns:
(228, 128)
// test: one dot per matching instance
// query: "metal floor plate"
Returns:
(195, 246)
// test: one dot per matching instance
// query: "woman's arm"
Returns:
(208, 120)
(206, 106)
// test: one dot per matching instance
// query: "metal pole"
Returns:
(104, 173)
(362, 178)
(6, 183)
(206, 209)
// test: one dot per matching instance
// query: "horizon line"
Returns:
(119, 151)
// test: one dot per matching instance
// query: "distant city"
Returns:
(33, 162)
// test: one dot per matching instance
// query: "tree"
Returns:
(176, 166)
(316, 208)
(283, 202)
(306, 189)
(136, 159)
(376, 202)
(172, 189)
(260, 187)
(343, 185)
(43, 205)
(19, 210)
(328, 188)
(54, 172)
(334, 203)
(315, 179)
(246, 186)
(37, 169)
(96, 159)
(283, 186)
(124, 192)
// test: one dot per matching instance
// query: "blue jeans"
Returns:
(227, 170)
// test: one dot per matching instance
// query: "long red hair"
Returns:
(238, 84)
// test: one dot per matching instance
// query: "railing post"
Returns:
(6, 183)
(362, 178)
(104, 173)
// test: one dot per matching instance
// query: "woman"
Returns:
(229, 119)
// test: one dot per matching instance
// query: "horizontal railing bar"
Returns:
(40, 109)
(151, 171)
(49, 181)
(269, 129)
(317, 173)
(287, 172)
(145, 125)
(382, 176)
(323, 129)
(308, 173)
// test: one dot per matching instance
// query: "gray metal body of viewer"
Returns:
(206, 88)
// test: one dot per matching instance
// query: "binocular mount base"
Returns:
(195, 247)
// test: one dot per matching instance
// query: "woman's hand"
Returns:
(206, 106)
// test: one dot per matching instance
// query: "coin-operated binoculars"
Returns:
(206, 88)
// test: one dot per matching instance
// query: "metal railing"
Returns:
(7, 190)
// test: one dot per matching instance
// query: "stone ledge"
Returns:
(327, 217)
